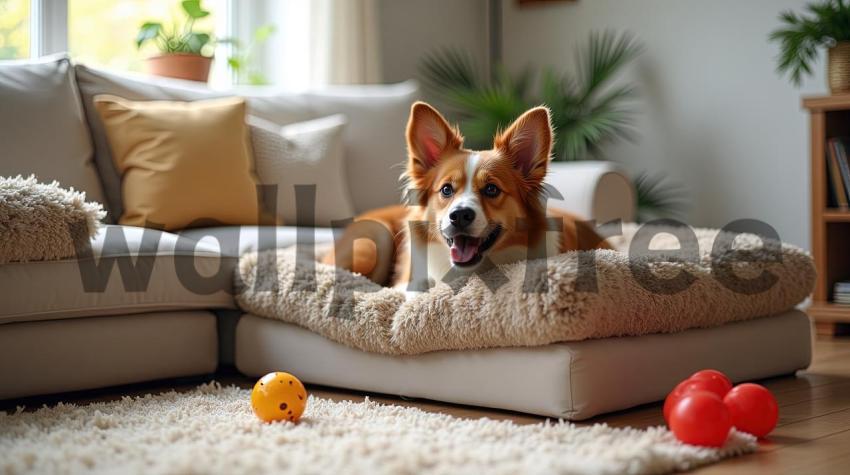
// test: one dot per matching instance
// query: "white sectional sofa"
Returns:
(59, 331)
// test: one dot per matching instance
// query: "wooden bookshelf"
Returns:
(829, 117)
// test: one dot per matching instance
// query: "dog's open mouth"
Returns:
(469, 250)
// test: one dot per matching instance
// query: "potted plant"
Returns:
(801, 37)
(184, 52)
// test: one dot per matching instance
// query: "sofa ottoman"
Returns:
(575, 380)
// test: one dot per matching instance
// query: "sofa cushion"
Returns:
(233, 241)
(374, 138)
(43, 128)
(126, 270)
(182, 162)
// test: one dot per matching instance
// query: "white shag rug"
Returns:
(212, 430)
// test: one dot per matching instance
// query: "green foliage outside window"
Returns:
(14, 29)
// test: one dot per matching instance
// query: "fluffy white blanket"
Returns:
(42, 221)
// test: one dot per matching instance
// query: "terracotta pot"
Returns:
(193, 67)
(838, 68)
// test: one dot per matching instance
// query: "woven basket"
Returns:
(838, 68)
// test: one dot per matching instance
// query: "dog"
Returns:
(465, 208)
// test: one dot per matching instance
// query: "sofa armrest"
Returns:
(593, 190)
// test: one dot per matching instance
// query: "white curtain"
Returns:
(319, 42)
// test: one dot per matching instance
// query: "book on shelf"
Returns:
(841, 293)
(838, 170)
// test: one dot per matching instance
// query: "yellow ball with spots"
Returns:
(279, 396)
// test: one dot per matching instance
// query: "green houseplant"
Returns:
(184, 52)
(242, 59)
(801, 36)
(589, 109)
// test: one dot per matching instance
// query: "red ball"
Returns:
(712, 385)
(701, 418)
(753, 409)
(722, 383)
(672, 398)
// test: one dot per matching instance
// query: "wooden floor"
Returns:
(813, 435)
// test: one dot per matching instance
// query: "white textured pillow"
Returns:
(304, 153)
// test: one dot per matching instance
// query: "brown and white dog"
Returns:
(466, 206)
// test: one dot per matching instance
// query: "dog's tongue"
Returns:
(464, 248)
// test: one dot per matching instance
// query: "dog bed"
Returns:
(538, 302)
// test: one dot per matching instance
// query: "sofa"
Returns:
(61, 329)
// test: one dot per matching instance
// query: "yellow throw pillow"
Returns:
(182, 164)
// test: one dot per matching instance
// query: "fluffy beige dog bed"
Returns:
(352, 310)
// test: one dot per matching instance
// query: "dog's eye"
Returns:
(490, 190)
(447, 190)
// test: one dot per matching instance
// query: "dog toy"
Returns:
(706, 380)
(701, 409)
(719, 382)
(753, 409)
(701, 418)
(279, 396)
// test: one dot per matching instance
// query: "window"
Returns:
(14, 29)
(103, 32)
(291, 43)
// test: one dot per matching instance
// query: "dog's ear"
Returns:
(429, 136)
(528, 143)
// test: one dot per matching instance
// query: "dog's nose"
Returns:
(462, 217)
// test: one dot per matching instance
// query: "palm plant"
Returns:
(802, 36)
(588, 110)
(657, 198)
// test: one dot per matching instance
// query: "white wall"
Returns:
(412, 28)
(714, 115)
